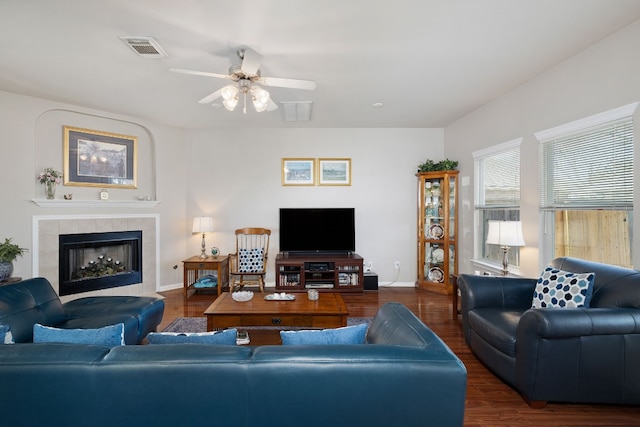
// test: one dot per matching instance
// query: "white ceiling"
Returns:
(429, 61)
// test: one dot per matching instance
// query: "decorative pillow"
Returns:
(251, 260)
(5, 334)
(108, 336)
(557, 288)
(224, 337)
(347, 335)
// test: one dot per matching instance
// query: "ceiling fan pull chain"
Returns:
(244, 109)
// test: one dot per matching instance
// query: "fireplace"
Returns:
(94, 261)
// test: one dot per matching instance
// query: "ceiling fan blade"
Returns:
(210, 98)
(199, 73)
(251, 61)
(271, 106)
(290, 83)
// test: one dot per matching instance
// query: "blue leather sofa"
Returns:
(587, 355)
(403, 376)
(31, 301)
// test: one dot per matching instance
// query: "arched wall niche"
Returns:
(49, 152)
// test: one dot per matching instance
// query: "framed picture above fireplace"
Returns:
(100, 159)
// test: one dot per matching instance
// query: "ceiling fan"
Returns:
(246, 77)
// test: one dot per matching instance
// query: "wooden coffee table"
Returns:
(329, 311)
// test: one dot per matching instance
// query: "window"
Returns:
(497, 197)
(586, 193)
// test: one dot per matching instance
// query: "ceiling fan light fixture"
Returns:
(230, 92)
(247, 76)
(230, 104)
(259, 106)
(260, 94)
(260, 98)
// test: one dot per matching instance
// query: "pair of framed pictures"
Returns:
(306, 172)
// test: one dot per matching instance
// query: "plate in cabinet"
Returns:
(436, 231)
(438, 255)
(436, 274)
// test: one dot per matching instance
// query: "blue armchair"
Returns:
(587, 355)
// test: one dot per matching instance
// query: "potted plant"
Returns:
(9, 251)
(443, 165)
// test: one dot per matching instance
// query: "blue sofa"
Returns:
(31, 301)
(403, 376)
(587, 355)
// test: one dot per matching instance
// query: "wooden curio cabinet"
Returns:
(437, 230)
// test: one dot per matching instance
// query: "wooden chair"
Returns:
(250, 259)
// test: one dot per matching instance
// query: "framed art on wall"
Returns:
(100, 159)
(298, 172)
(334, 171)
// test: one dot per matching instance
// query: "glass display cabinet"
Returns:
(437, 230)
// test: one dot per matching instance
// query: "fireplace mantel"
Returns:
(61, 203)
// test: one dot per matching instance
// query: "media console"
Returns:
(324, 272)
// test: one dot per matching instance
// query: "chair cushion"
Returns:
(251, 260)
(109, 336)
(497, 327)
(558, 288)
(225, 337)
(347, 335)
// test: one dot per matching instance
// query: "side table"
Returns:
(195, 266)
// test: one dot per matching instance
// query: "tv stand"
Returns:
(325, 272)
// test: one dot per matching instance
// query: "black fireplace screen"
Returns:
(93, 261)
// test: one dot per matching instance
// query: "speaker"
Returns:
(370, 281)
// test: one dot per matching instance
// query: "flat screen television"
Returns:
(317, 230)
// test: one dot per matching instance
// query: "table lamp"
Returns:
(203, 224)
(505, 234)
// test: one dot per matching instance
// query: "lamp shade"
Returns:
(505, 233)
(202, 224)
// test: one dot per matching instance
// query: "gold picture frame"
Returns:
(334, 171)
(100, 159)
(298, 171)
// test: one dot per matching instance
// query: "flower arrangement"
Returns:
(50, 175)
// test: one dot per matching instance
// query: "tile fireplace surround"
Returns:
(47, 228)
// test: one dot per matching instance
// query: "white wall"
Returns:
(235, 176)
(31, 139)
(601, 78)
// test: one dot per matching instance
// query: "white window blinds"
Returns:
(499, 176)
(589, 168)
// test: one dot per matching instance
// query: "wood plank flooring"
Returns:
(489, 401)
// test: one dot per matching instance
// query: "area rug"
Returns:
(199, 324)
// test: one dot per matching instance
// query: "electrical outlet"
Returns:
(397, 265)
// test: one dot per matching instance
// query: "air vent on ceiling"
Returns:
(296, 111)
(144, 46)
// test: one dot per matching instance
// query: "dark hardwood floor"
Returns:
(489, 401)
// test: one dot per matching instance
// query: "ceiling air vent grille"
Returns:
(296, 111)
(145, 46)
